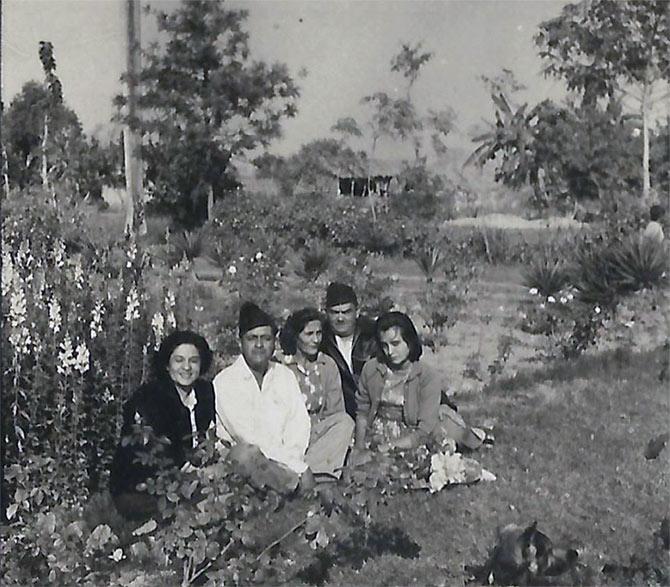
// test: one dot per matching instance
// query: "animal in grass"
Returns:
(526, 556)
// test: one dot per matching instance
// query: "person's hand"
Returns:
(306, 482)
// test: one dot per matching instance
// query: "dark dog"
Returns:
(525, 556)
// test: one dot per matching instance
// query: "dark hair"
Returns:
(171, 342)
(408, 332)
(656, 212)
(295, 323)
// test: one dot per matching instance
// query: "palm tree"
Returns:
(512, 136)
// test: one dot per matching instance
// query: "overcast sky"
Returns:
(346, 48)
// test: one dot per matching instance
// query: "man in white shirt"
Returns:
(260, 409)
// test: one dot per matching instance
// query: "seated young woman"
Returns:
(177, 405)
(321, 386)
(398, 402)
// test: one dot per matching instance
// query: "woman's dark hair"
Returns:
(402, 322)
(171, 342)
(295, 323)
(656, 212)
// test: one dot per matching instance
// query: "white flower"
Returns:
(635, 132)
(54, 315)
(533, 291)
(78, 275)
(132, 305)
(96, 319)
(259, 256)
(8, 273)
(542, 306)
(158, 328)
(170, 299)
(82, 359)
(232, 270)
(169, 304)
(597, 310)
(66, 358)
(59, 253)
(564, 300)
(570, 297)
(445, 468)
(117, 555)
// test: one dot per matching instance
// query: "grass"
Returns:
(569, 453)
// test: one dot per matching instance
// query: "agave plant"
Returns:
(639, 263)
(187, 244)
(429, 259)
(595, 277)
(316, 259)
(546, 274)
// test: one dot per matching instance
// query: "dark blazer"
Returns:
(364, 348)
(157, 404)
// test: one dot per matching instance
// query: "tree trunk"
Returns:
(5, 171)
(45, 163)
(210, 202)
(131, 141)
(644, 107)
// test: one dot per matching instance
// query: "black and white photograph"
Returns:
(344, 293)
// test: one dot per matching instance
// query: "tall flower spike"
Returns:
(82, 359)
(132, 305)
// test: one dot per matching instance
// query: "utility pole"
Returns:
(131, 140)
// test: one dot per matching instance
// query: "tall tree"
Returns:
(612, 49)
(54, 91)
(511, 140)
(409, 62)
(203, 100)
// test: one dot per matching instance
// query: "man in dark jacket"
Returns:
(348, 338)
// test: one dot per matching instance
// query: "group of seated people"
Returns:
(341, 388)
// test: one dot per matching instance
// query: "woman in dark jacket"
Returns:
(398, 400)
(177, 405)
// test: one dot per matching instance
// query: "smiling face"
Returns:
(258, 346)
(184, 365)
(394, 347)
(309, 339)
(342, 319)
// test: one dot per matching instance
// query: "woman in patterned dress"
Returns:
(398, 404)
(320, 383)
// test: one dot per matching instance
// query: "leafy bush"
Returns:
(441, 307)
(570, 325)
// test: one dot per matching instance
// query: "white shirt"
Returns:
(345, 345)
(654, 231)
(189, 401)
(273, 417)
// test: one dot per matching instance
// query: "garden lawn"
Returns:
(569, 453)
